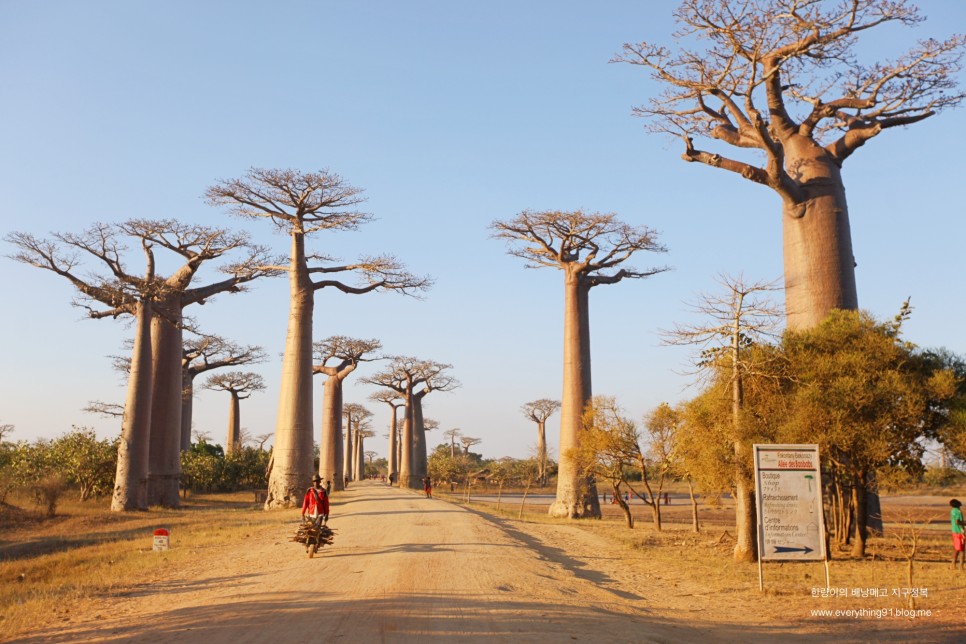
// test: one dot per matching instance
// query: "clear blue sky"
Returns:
(449, 115)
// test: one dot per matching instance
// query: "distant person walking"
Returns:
(959, 535)
(428, 487)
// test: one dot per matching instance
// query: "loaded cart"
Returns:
(314, 534)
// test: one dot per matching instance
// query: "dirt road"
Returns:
(405, 568)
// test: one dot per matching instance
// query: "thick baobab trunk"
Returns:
(406, 478)
(818, 255)
(164, 457)
(817, 245)
(419, 458)
(542, 452)
(360, 456)
(233, 440)
(292, 451)
(131, 478)
(187, 407)
(393, 446)
(331, 455)
(576, 494)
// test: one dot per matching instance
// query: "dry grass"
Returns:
(59, 564)
(703, 563)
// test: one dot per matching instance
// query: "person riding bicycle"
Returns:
(316, 501)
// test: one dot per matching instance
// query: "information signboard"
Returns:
(791, 523)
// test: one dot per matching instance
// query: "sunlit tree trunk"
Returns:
(542, 452)
(576, 494)
(292, 451)
(233, 440)
(406, 476)
(131, 478)
(164, 458)
(360, 455)
(746, 546)
(331, 455)
(347, 465)
(817, 245)
(695, 526)
(419, 462)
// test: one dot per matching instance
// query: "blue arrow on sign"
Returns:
(802, 549)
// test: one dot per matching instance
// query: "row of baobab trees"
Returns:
(777, 78)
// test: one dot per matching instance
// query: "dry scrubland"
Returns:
(73, 568)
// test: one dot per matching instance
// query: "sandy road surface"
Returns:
(409, 569)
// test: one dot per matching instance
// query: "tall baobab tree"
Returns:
(153, 366)
(300, 204)
(356, 416)
(61, 255)
(434, 378)
(362, 434)
(336, 357)
(204, 353)
(781, 78)
(395, 401)
(736, 320)
(195, 245)
(588, 248)
(240, 385)
(402, 376)
(452, 435)
(467, 442)
(539, 411)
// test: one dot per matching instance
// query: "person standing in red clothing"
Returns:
(316, 501)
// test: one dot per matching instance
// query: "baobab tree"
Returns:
(539, 411)
(204, 353)
(195, 245)
(740, 317)
(781, 78)
(452, 435)
(403, 376)
(336, 357)
(467, 442)
(588, 248)
(300, 204)
(240, 385)
(61, 257)
(395, 401)
(355, 416)
(433, 377)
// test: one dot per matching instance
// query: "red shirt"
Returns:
(311, 504)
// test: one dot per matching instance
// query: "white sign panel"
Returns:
(791, 524)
